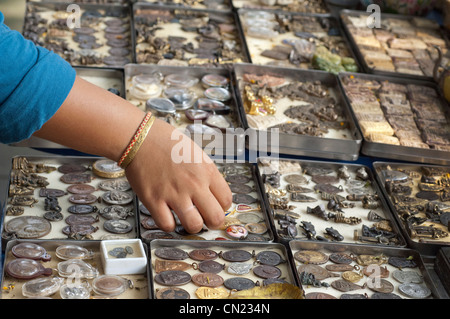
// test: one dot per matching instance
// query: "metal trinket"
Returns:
(294, 188)
(407, 276)
(339, 267)
(308, 279)
(311, 257)
(270, 258)
(319, 295)
(203, 254)
(30, 251)
(352, 276)
(374, 271)
(172, 293)
(28, 227)
(319, 272)
(211, 293)
(117, 212)
(244, 199)
(380, 285)
(82, 209)
(237, 255)
(19, 200)
(247, 218)
(239, 283)
(115, 185)
(81, 189)
(107, 169)
(171, 253)
(325, 179)
(341, 258)
(76, 178)
(83, 199)
(354, 296)
(366, 260)
(380, 295)
(81, 219)
(295, 179)
(402, 262)
(240, 188)
(256, 228)
(239, 268)
(172, 278)
(298, 197)
(210, 266)
(44, 192)
(236, 232)
(328, 188)
(345, 286)
(117, 226)
(415, 291)
(164, 265)
(79, 230)
(207, 280)
(237, 179)
(71, 168)
(117, 197)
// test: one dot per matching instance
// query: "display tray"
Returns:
(297, 41)
(314, 6)
(247, 212)
(45, 201)
(420, 205)
(442, 267)
(108, 79)
(325, 201)
(379, 273)
(323, 126)
(137, 286)
(217, 5)
(224, 136)
(400, 119)
(401, 46)
(101, 36)
(187, 37)
(223, 255)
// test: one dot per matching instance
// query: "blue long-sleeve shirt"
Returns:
(34, 82)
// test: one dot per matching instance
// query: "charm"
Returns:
(172, 278)
(207, 280)
(172, 293)
(236, 232)
(239, 283)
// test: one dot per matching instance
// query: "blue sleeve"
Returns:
(34, 82)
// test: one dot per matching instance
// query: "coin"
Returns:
(240, 188)
(237, 255)
(115, 185)
(237, 179)
(81, 189)
(149, 223)
(295, 179)
(117, 226)
(266, 271)
(107, 168)
(311, 257)
(83, 199)
(239, 268)
(76, 178)
(239, 283)
(173, 278)
(340, 258)
(117, 197)
(158, 234)
(271, 258)
(114, 60)
(210, 266)
(203, 254)
(28, 227)
(172, 293)
(403, 276)
(415, 291)
(207, 280)
(171, 253)
(82, 209)
(71, 168)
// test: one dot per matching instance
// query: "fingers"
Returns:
(210, 209)
(188, 214)
(162, 215)
(220, 189)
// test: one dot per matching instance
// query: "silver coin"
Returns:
(115, 185)
(117, 226)
(117, 198)
(403, 276)
(415, 291)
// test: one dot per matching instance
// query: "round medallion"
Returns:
(72, 168)
(380, 285)
(44, 192)
(30, 251)
(270, 258)
(415, 291)
(81, 219)
(203, 254)
(295, 179)
(156, 234)
(115, 185)
(109, 285)
(403, 276)
(53, 216)
(81, 189)
(240, 188)
(171, 253)
(210, 266)
(28, 227)
(115, 212)
(83, 199)
(237, 255)
(173, 278)
(401, 262)
(266, 271)
(117, 197)
(239, 283)
(117, 226)
(339, 267)
(243, 199)
(237, 179)
(107, 168)
(247, 218)
(172, 293)
(79, 229)
(319, 295)
(207, 280)
(256, 228)
(340, 258)
(24, 268)
(311, 257)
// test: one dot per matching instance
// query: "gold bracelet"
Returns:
(137, 140)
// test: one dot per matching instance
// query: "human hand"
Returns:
(191, 186)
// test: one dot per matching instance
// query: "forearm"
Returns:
(94, 121)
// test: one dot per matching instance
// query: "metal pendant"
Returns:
(172, 278)
(239, 283)
(237, 255)
(172, 293)
(171, 253)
